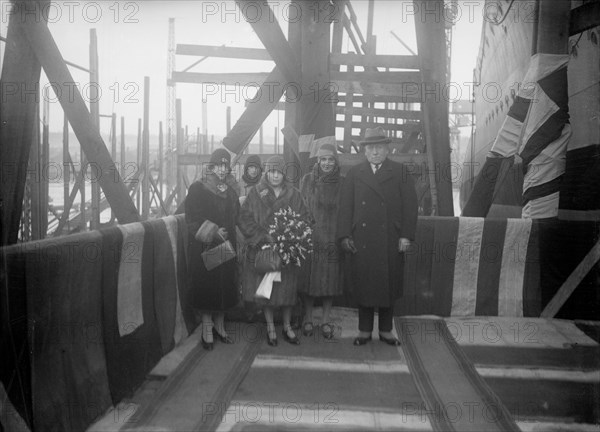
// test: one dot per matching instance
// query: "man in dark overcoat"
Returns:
(377, 221)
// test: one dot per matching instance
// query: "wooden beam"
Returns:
(249, 122)
(229, 78)
(407, 78)
(380, 60)
(574, 279)
(584, 17)
(407, 92)
(20, 76)
(41, 41)
(269, 32)
(380, 112)
(223, 52)
(94, 100)
(406, 127)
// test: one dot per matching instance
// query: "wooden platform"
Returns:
(546, 372)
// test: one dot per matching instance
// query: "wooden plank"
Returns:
(20, 71)
(584, 17)
(41, 41)
(249, 122)
(269, 32)
(406, 127)
(229, 78)
(94, 100)
(379, 60)
(380, 112)
(407, 92)
(408, 78)
(349, 102)
(223, 52)
(574, 279)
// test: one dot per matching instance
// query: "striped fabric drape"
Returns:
(537, 129)
(473, 266)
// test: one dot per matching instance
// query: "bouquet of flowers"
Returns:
(292, 235)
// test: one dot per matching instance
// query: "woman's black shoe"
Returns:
(272, 342)
(362, 340)
(390, 341)
(224, 339)
(293, 340)
(208, 346)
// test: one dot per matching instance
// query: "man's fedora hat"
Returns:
(375, 136)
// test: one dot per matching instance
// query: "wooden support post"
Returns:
(66, 163)
(34, 181)
(205, 126)
(113, 137)
(139, 167)
(431, 44)
(95, 114)
(41, 41)
(181, 191)
(18, 106)
(44, 165)
(260, 140)
(146, 152)
(123, 148)
(228, 119)
(160, 159)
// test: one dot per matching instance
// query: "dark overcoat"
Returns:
(213, 290)
(255, 217)
(376, 210)
(321, 191)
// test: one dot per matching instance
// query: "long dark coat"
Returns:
(213, 290)
(321, 191)
(255, 217)
(376, 210)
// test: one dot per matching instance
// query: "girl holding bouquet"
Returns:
(272, 194)
(211, 210)
(321, 190)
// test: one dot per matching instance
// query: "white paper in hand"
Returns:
(266, 285)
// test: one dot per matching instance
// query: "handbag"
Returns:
(267, 260)
(218, 255)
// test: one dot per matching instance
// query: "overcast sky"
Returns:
(133, 39)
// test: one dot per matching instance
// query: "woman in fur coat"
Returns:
(273, 193)
(321, 190)
(211, 211)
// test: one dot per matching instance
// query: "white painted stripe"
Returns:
(466, 266)
(327, 416)
(544, 426)
(314, 364)
(512, 272)
(129, 291)
(286, 415)
(308, 363)
(180, 331)
(540, 374)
